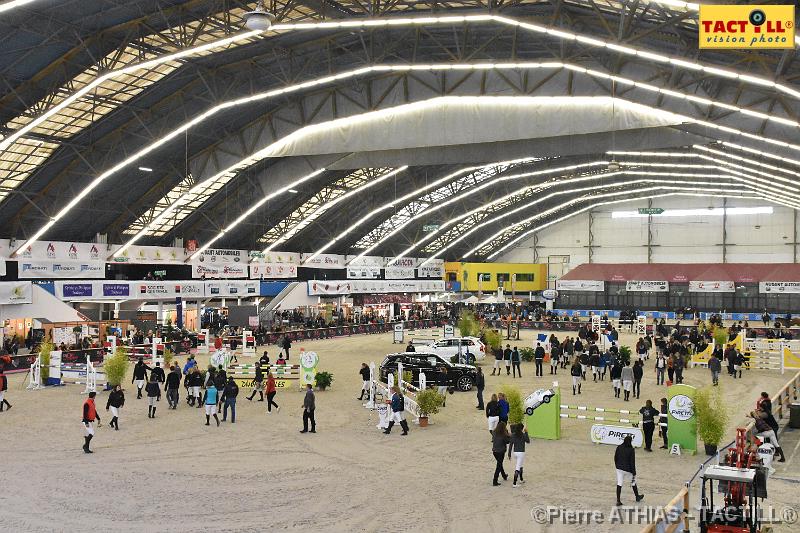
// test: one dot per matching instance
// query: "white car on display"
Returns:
(448, 348)
(536, 399)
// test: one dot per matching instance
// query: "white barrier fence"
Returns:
(72, 373)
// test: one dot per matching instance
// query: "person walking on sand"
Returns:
(500, 440)
(140, 376)
(229, 394)
(153, 394)
(498, 360)
(538, 359)
(638, 374)
(116, 399)
(89, 417)
(492, 413)
(519, 438)
(576, 371)
(195, 380)
(616, 378)
(480, 383)
(627, 381)
(515, 363)
(625, 463)
(172, 386)
(3, 389)
(507, 358)
(309, 406)
(502, 403)
(649, 415)
(271, 390)
(365, 383)
(662, 422)
(258, 384)
(210, 398)
(715, 366)
(398, 412)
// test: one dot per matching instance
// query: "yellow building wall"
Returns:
(467, 275)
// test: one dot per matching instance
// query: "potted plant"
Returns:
(44, 358)
(516, 405)
(712, 417)
(468, 325)
(323, 380)
(116, 366)
(625, 354)
(493, 339)
(429, 402)
(527, 354)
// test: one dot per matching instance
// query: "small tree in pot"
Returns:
(712, 417)
(323, 380)
(429, 402)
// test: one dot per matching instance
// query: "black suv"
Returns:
(437, 370)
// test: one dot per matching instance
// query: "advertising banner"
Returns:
(647, 286)
(746, 27)
(16, 292)
(219, 256)
(399, 273)
(323, 261)
(681, 418)
(273, 270)
(403, 262)
(141, 255)
(779, 287)
(116, 290)
(235, 289)
(62, 251)
(53, 269)
(285, 258)
(220, 270)
(614, 435)
(432, 269)
(77, 290)
(334, 287)
(363, 272)
(366, 261)
(579, 285)
(712, 286)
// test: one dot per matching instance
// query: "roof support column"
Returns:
(724, 230)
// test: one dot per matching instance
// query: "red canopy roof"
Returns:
(683, 273)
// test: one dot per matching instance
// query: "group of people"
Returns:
(214, 391)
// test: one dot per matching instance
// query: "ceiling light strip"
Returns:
(328, 205)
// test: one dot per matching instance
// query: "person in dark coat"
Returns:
(480, 383)
(500, 441)
(638, 373)
(538, 358)
(492, 413)
(365, 381)
(649, 416)
(229, 394)
(3, 389)
(140, 376)
(309, 406)
(625, 464)
(116, 399)
(287, 343)
(153, 395)
(662, 422)
(173, 383)
(258, 384)
(715, 366)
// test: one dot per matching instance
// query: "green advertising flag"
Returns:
(681, 422)
(545, 422)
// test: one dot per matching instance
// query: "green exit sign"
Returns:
(650, 210)
(427, 228)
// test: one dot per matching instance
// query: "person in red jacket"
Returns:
(218, 343)
(89, 417)
(3, 389)
(271, 390)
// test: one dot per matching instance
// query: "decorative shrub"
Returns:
(720, 336)
(493, 339)
(468, 325)
(527, 354)
(408, 376)
(44, 356)
(429, 402)
(625, 354)
(116, 366)
(323, 380)
(516, 404)
(168, 357)
(711, 414)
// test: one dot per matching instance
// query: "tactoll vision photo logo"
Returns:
(746, 26)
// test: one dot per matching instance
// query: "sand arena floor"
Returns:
(175, 474)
